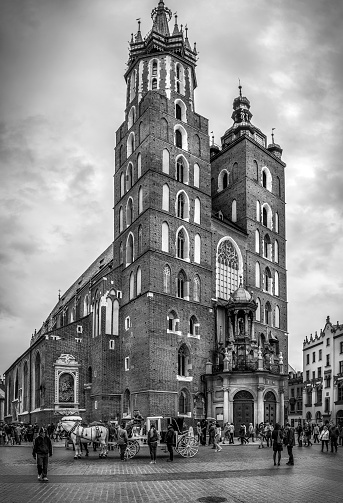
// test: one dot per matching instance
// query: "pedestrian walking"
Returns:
(242, 434)
(277, 440)
(170, 442)
(217, 437)
(152, 443)
(289, 440)
(42, 450)
(260, 435)
(231, 433)
(341, 435)
(122, 440)
(199, 432)
(308, 432)
(226, 433)
(203, 432)
(211, 433)
(324, 437)
(333, 435)
(299, 431)
(316, 434)
(268, 434)
(251, 432)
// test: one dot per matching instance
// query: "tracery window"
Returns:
(228, 265)
(179, 169)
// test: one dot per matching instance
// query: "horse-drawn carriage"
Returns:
(99, 434)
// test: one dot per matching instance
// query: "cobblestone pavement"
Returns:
(237, 474)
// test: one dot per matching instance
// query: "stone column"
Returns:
(209, 402)
(226, 400)
(282, 406)
(260, 405)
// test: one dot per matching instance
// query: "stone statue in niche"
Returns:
(241, 326)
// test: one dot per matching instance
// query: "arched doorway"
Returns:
(243, 409)
(339, 418)
(270, 408)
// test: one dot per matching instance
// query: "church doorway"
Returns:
(270, 408)
(243, 409)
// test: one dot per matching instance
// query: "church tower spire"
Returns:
(162, 233)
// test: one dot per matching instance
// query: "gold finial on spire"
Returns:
(273, 135)
(139, 23)
(239, 87)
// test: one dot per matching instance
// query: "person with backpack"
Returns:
(152, 443)
(277, 440)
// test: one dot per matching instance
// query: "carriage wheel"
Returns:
(187, 447)
(132, 449)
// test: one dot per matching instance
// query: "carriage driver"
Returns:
(42, 450)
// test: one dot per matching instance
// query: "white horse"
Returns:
(80, 434)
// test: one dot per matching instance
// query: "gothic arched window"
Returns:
(196, 175)
(197, 249)
(267, 280)
(121, 219)
(178, 138)
(37, 381)
(140, 200)
(129, 249)
(197, 211)
(267, 247)
(267, 313)
(131, 286)
(165, 197)
(165, 161)
(139, 281)
(196, 289)
(181, 244)
(140, 239)
(166, 279)
(228, 268)
(129, 212)
(183, 361)
(179, 169)
(181, 285)
(165, 237)
(181, 205)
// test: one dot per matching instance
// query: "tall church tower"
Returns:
(162, 226)
(248, 202)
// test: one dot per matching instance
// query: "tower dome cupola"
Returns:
(242, 125)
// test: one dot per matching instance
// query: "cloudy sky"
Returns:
(62, 98)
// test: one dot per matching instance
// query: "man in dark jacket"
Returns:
(170, 441)
(42, 450)
(289, 440)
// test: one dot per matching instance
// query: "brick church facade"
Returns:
(185, 313)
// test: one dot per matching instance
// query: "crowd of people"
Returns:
(275, 436)
(16, 433)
